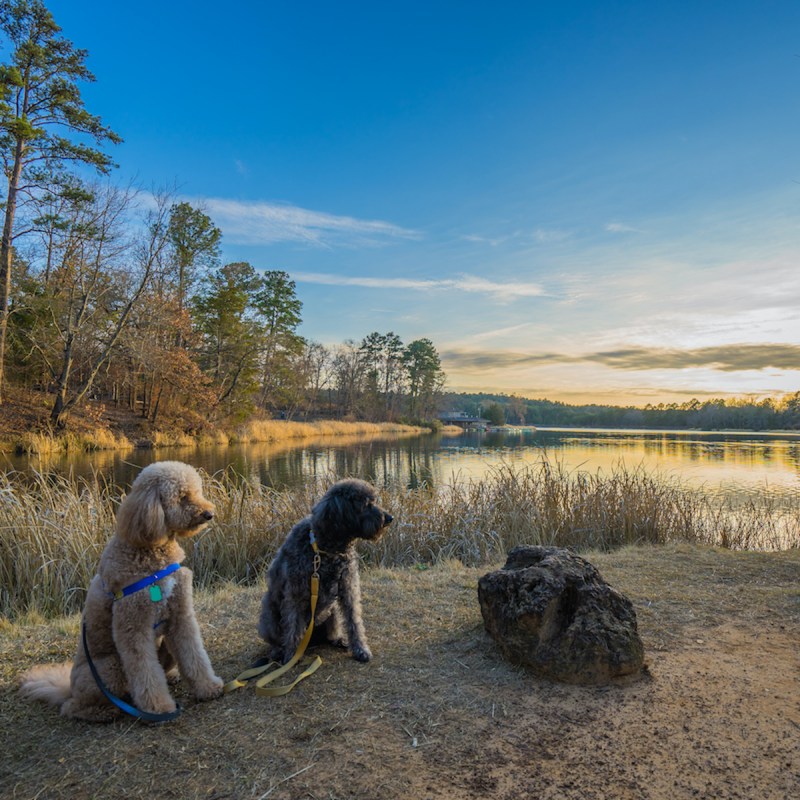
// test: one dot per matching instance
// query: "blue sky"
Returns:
(585, 201)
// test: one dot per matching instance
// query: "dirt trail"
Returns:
(717, 719)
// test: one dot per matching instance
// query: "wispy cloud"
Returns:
(499, 359)
(484, 239)
(500, 332)
(269, 223)
(541, 235)
(549, 235)
(462, 283)
(726, 358)
(618, 227)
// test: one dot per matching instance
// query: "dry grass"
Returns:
(437, 713)
(218, 438)
(273, 430)
(97, 437)
(44, 444)
(477, 521)
(52, 530)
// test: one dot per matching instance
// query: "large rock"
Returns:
(550, 610)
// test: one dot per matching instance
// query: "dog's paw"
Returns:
(160, 704)
(362, 653)
(209, 691)
(341, 643)
(173, 676)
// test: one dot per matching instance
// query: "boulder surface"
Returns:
(550, 610)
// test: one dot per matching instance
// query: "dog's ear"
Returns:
(324, 513)
(140, 519)
(334, 512)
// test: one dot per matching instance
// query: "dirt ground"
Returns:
(439, 714)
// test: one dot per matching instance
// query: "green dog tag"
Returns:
(155, 592)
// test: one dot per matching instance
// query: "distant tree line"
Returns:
(114, 295)
(716, 414)
(133, 307)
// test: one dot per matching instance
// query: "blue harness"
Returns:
(155, 591)
(155, 596)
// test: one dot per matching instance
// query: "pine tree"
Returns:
(425, 377)
(195, 242)
(40, 102)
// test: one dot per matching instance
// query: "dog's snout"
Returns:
(387, 518)
(207, 515)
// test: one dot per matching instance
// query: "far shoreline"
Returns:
(677, 431)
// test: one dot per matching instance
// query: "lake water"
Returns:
(730, 465)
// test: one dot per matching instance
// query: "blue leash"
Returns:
(146, 716)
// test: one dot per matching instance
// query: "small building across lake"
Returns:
(462, 420)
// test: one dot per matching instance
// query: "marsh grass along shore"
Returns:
(53, 529)
(271, 431)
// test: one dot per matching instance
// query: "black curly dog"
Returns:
(345, 513)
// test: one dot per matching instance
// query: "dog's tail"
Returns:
(47, 682)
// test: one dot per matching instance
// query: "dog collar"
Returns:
(317, 552)
(155, 592)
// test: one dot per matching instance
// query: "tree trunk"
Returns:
(144, 401)
(6, 255)
(157, 403)
(58, 415)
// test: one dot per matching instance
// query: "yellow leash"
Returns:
(311, 664)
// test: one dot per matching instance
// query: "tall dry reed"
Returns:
(52, 530)
(478, 521)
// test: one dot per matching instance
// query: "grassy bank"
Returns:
(26, 427)
(265, 431)
(45, 444)
(52, 530)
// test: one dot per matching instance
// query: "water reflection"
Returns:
(277, 465)
(722, 464)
